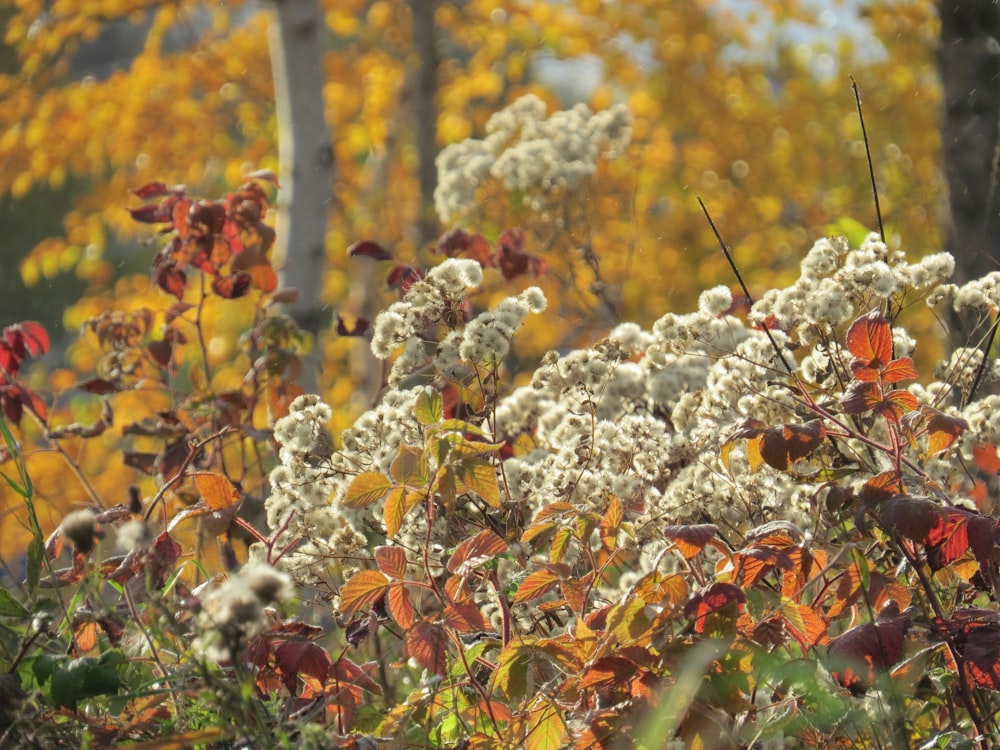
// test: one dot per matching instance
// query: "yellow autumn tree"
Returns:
(753, 111)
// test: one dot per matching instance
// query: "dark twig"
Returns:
(981, 370)
(743, 286)
(868, 153)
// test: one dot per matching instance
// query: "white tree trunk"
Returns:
(305, 152)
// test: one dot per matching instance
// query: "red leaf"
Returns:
(169, 276)
(465, 617)
(606, 672)
(302, 659)
(152, 213)
(857, 654)
(511, 259)
(32, 336)
(691, 539)
(400, 606)
(870, 339)
(403, 277)
(913, 518)
(899, 370)
(896, 404)
(717, 597)
(232, 287)
(976, 635)
(986, 458)
(427, 645)
(458, 242)
(960, 531)
(476, 551)
(369, 249)
(151, 190)
(860, 396)
(782, 446)
(100, 386)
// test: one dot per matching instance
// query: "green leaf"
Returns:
(9, 606)
(429, 408)
(86, 677)
(36, 552)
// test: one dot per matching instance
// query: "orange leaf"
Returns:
(691, 539)
(366, 488)
(535, 585)
(400, 606)
(870, 339)
(216, 490)
(465, 618)
(364, 589)
(476, 551)
(391, 561)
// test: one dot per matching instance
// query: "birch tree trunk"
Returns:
(305, 152)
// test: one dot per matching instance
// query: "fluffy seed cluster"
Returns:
(298, 507)
(235, 610)
(642, 416)
(529, 154)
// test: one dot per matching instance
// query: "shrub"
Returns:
(751, 525)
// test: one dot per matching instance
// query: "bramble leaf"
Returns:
(364, 589)
(367, 488)
(870, 339)
(476, 551)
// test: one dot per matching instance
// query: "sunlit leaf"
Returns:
(363, 589)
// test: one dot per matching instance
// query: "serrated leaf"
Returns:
(364, 589)
(476, 551)
(465, 617)
(691, 539)
(429, 408)
(899, 370)
(547, 728)
(400, 605)
(391, 561)
(535, 585)
(427, 645)
(410, 467)
(480, 477)
(75, 679)
(366, 488)
(510, 678)
(870, 339)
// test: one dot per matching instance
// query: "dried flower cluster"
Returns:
(529, 155)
